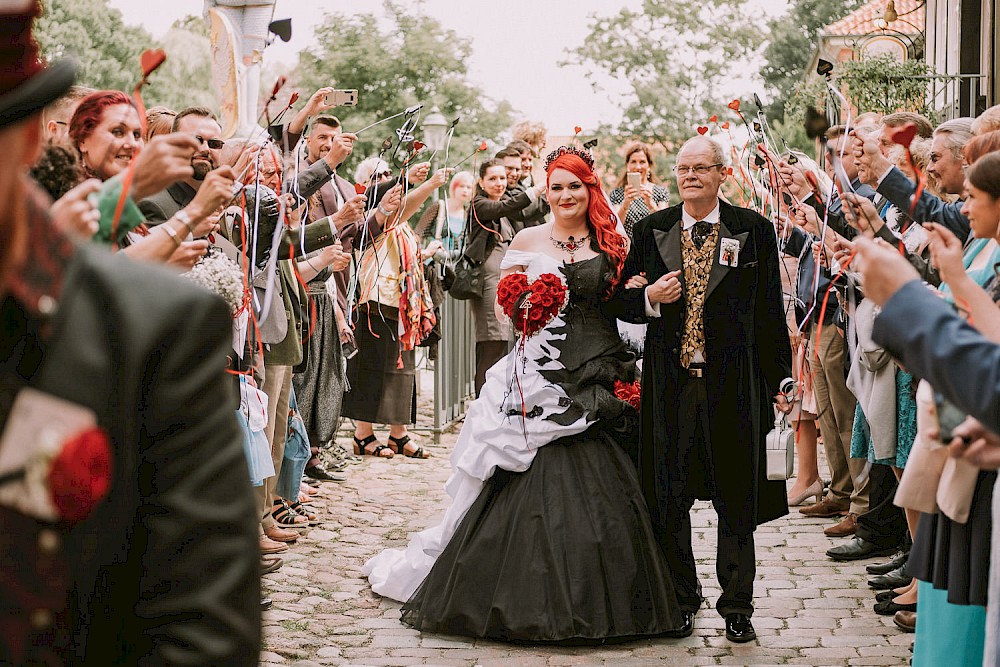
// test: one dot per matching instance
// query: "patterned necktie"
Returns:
(700, 232)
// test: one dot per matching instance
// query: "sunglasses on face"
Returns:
(214, 144)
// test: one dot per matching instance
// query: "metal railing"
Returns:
(455, 366)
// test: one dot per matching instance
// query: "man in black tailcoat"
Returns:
(716, 353)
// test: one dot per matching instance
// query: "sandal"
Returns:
(286, 517)
(359, 447)
(302, 510)
(401, 444)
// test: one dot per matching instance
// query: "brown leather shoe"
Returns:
(281, 535)
(847, 526)
(825, 508)
(905, 620)
(269, 546)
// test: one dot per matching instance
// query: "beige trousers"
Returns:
(278, 387)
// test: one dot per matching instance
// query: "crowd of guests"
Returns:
(332, 283)
(883, 419)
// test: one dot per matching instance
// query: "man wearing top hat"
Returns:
(127, 527)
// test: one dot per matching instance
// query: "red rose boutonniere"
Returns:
(629, 392)
(531, 306)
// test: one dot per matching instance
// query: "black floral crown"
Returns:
(566, 150)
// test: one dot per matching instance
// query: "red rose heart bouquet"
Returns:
(531, 305)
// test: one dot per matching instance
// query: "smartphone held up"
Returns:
(341, 98)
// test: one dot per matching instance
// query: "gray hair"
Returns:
(718, 155)
(957, 133)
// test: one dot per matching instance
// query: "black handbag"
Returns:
(468, 281)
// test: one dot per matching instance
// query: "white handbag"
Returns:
(780, 450)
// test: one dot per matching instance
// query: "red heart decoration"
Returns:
(531, 306)
(482, 146)
(359, 189)
(150, 60)
(293, 99)
(734, 105)
(702, 129)
(729, 170)
(725, 125)
(577, 130)
(713, 118)
(417, 145)
(904, 134)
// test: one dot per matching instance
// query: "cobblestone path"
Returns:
(810, 610)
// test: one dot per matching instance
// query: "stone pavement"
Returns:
(810, 611)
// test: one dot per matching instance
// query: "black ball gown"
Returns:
(548, 538)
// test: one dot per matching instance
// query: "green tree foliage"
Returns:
(409, 58)
(678, 56)
(792, 42)
(884, 85)
(95, 34)
(108, 52)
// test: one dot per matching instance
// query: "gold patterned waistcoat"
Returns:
(697, 269)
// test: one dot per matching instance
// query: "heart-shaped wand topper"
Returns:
(360, 189)
(904, 134)
(531, 306)
(293, 99)
(150, 60)
(725, 125)
(577, 130)
(702, 130)
(713, 118)
(482, 146)
(418, 146)
(734, 105)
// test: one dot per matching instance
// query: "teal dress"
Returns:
(906, 426)
(947, 633)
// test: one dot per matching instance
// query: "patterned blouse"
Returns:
(638, 210)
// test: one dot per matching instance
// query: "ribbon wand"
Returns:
(481, 147)
(447, 143)
(150, 61)
(407, 112)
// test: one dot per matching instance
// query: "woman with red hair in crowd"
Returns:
(548, 538)
(107, 133)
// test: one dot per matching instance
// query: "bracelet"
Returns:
(383, 211)
(183, 216)
(171, 233)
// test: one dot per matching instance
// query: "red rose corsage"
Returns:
(531, 305)
(630, 392)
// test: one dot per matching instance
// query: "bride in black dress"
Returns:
(548, 538)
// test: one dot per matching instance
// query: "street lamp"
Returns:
(435, 130)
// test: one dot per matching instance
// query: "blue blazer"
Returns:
(899, 189)
(933, 342)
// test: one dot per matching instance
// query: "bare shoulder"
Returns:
(532, 239)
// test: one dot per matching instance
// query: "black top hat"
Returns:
(26, 84)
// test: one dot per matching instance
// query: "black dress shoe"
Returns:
(265, 604)
(687, 627)
(739, 629)
(895, 579)
(890, 607)
(898, 559)
(886, 595)
(857, 549)
(321, 475)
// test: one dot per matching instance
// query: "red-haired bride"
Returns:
(547, 538)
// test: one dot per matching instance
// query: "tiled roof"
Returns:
(862, 20)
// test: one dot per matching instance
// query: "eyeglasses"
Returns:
(700, 170)
(214, 144)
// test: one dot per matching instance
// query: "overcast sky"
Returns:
(517, 47)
